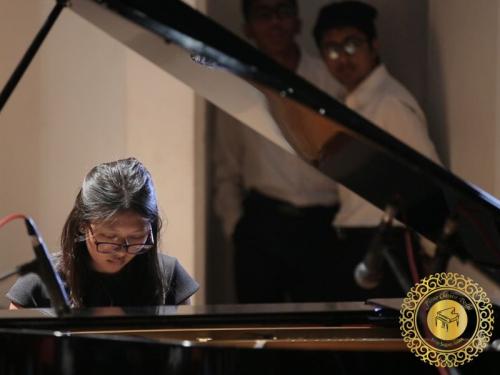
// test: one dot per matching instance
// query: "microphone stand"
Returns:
(387, 253)
(41, 265)
(397, 269)
(442, 253)
(368, 273)
(58, 296)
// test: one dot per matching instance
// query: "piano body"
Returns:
(320, 338)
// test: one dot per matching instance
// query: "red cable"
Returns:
(11, 217)
(410, 254)
(412, 264)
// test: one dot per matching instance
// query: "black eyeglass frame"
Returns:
(145, 247)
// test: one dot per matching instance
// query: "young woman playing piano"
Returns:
(109, 244)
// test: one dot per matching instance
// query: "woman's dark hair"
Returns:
(346, 14)
(109, 189)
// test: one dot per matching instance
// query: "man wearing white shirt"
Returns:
(346, 36)
(274, 207)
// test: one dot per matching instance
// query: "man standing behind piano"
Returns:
(276, 209)
(347, 38)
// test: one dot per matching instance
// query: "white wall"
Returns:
(83, 108)
(463, 79)
(161, 132)
(86, 99)
(496, 135)
(19, 146)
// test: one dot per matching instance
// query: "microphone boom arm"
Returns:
(369, 272)
(47, 272)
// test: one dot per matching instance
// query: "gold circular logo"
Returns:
(446, 319)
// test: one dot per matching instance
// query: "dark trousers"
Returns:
(282, 252)
(289, 254)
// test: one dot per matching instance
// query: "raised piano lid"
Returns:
(302, 119)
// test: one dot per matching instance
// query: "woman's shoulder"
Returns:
(29, 291)
(167, 262)
(180, 285)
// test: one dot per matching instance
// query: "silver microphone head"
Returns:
(366, 278)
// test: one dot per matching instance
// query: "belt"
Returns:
(346, 232)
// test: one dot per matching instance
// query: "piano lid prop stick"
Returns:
(30, 53)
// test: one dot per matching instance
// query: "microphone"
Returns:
(45, 269)
(442, 252)
(368, 272)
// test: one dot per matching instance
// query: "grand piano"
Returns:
(315, 338)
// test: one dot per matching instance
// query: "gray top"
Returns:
(29, 290)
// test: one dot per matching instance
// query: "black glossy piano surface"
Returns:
(317, 338)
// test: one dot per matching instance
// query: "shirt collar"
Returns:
(364, 93)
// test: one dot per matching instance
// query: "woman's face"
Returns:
(123, 228)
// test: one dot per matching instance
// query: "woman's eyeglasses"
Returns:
(350, 46)
(131, 248)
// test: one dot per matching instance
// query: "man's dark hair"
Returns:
(246, 6)
(346, 14)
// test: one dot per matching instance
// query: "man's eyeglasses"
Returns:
(280, 11)
(131, 248)
(350, 46)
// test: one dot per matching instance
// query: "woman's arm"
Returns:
(15, 306)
